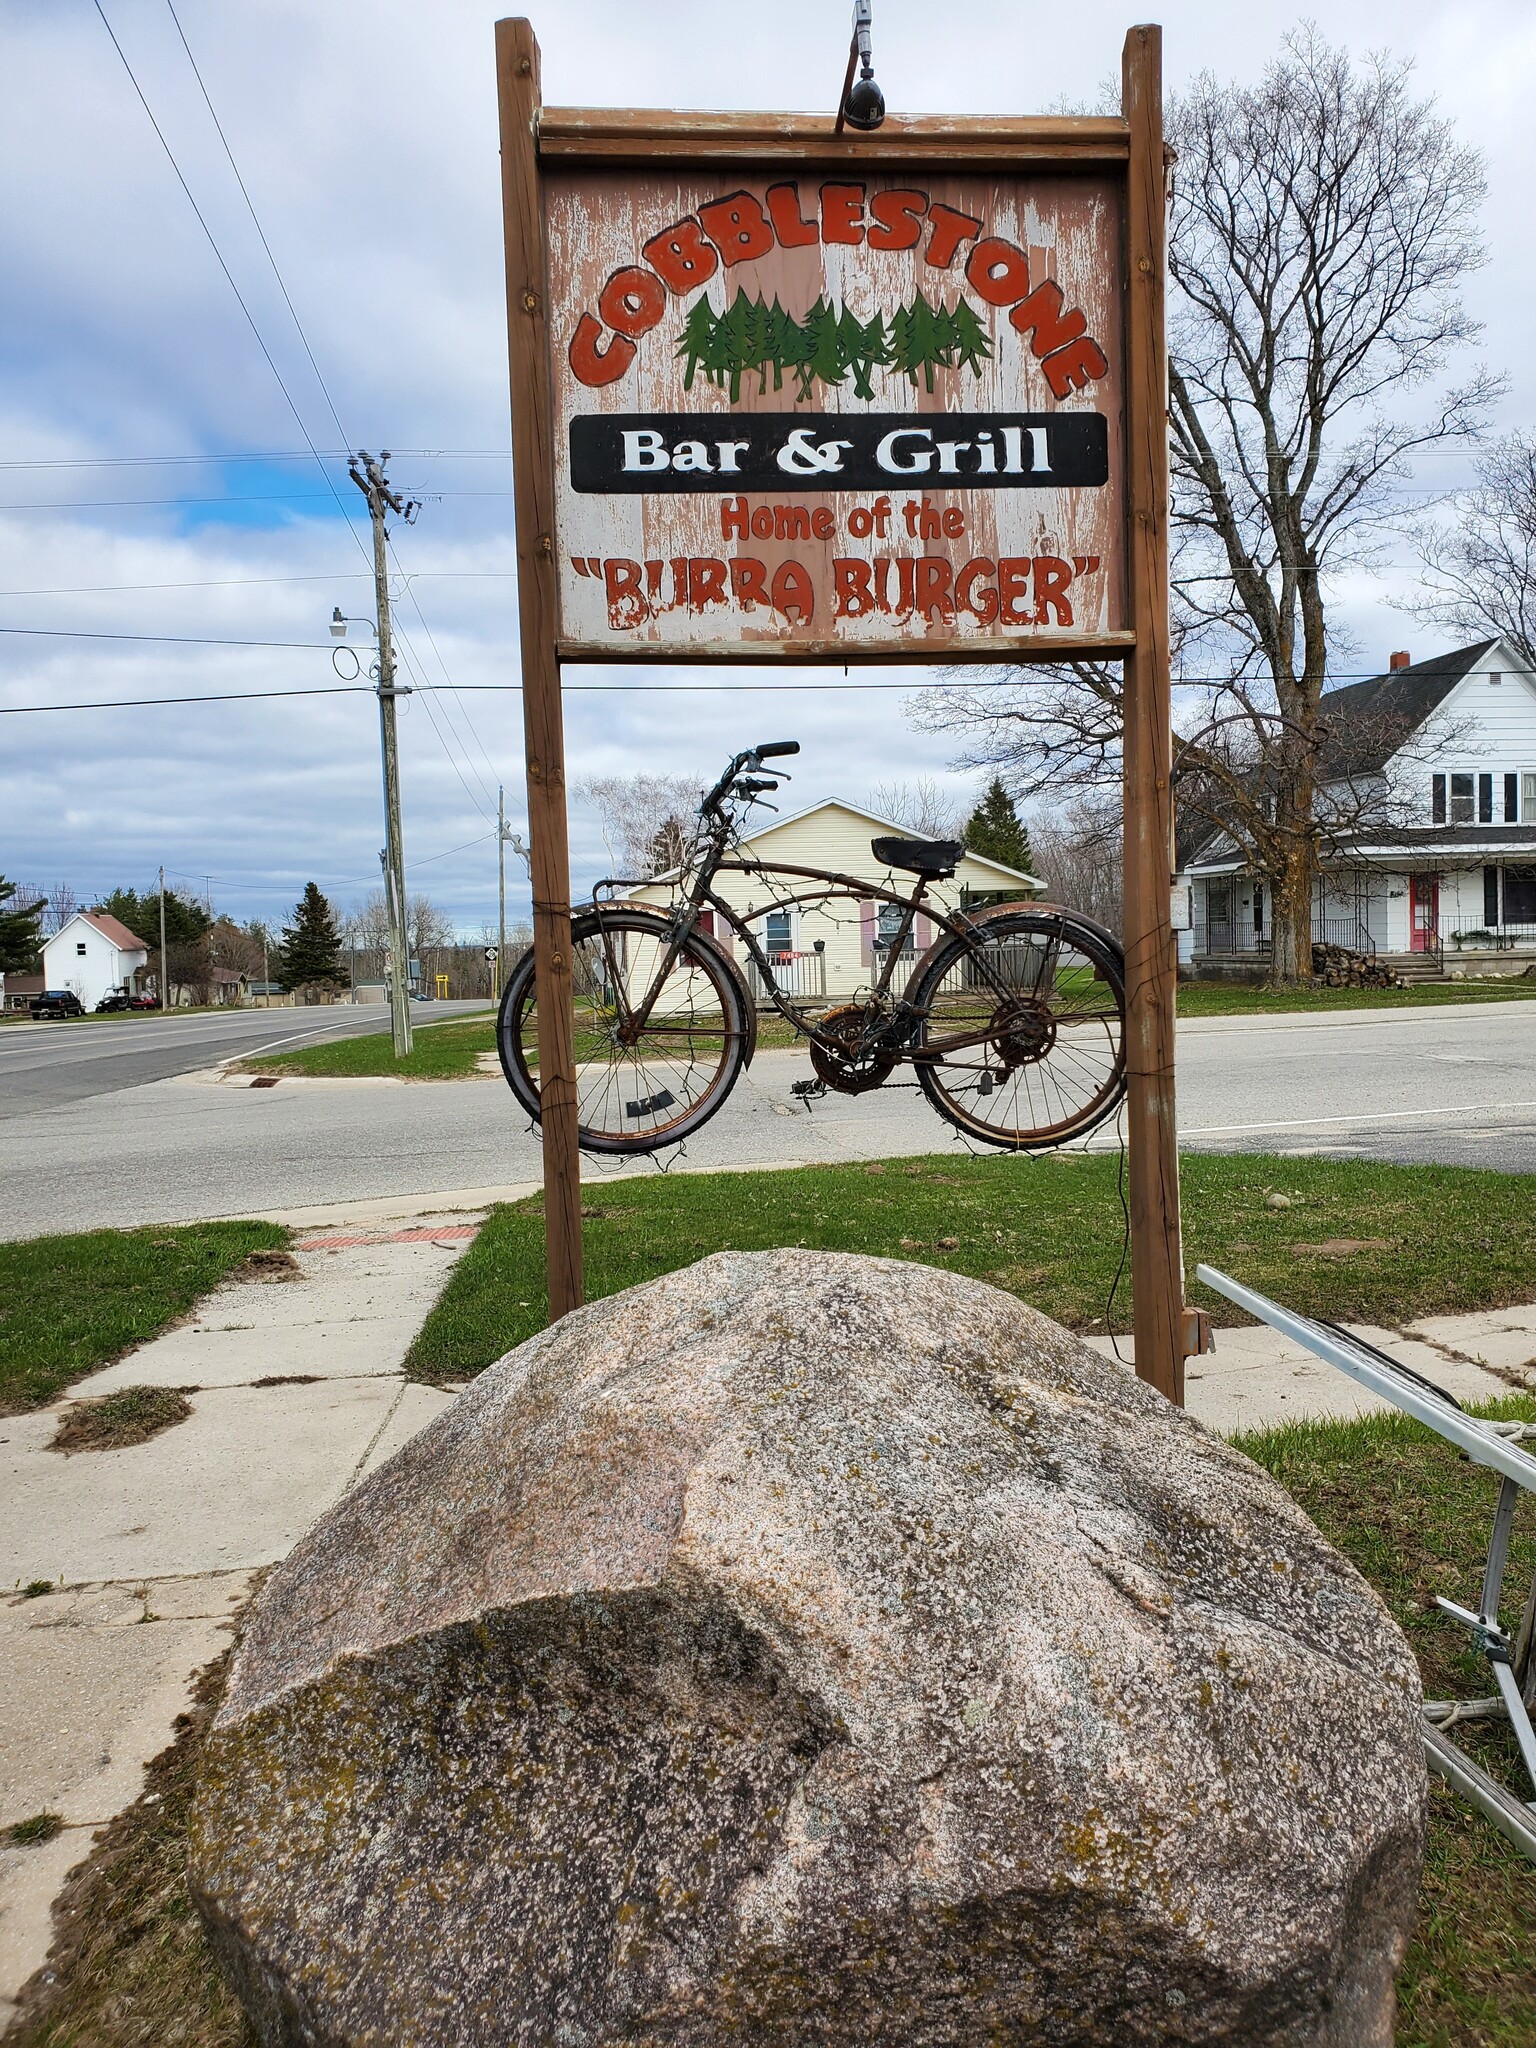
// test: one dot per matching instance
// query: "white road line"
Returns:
(1385, 1116)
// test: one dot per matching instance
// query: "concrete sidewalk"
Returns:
(297, 1391)
(1256, 1379)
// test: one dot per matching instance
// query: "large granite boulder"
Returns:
(807, 1649)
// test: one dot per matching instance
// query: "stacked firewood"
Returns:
(1337, 967)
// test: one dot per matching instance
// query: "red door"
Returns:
(1424, 912)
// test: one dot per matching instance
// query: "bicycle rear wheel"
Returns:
(638, 1087)
(1021, 1042)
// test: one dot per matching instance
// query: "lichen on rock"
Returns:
(806, 1648)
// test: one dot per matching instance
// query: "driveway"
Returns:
(1455, 1085)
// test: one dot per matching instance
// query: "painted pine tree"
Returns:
(696, 339)
(968, 341)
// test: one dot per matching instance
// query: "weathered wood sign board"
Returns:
(824, 415)
(783, 394)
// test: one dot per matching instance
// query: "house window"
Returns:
(1461, 799)
(1494, 679)
(888, 926)
(1511, 799)
(1485, 799)
(1528, 797)
(1437, 800)
(80, 948)
(778, 935)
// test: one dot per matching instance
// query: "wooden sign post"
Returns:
(786, 395)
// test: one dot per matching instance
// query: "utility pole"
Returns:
(501, 877)
(164, 971)
(370, 479)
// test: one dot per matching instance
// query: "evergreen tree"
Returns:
(310, 956)
(823, 355)
(968, 338)
(996, 831)
(736, 336)
(21, 938)
(697, 339)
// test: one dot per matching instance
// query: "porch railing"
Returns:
(800, 976)
(1503, 938)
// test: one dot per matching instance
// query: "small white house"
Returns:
(92, 955)
(834, 949)
(1448, 875)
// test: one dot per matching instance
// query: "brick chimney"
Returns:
(1398, 660)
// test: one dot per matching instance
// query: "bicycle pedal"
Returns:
(804, 1090)
(648, 1104)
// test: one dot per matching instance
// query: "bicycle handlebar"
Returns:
(752, 758)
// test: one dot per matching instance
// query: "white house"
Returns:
(831, 949)
(93, 954)
(1446, 752)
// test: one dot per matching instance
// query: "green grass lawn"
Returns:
(1433, 1239)
(1412, 1515)
(1239, 999)
(439, 1052)
(71, 1304)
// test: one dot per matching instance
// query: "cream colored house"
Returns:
(834, 949)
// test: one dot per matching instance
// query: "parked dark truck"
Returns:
(57, 1002)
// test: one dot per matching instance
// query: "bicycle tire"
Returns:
(1051, 999)
(623, 1094)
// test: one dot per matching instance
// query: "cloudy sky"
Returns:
(155, 483)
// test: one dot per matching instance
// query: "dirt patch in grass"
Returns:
(132, 1415)
(268, 1264)
(130, 1966)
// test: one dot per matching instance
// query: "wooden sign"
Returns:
(781, 393)
(828, 416)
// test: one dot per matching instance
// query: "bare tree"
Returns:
(1480, 573)
(1322, 224)
(925, 807)
(1077, 851)
(646, 820)
(62, 905)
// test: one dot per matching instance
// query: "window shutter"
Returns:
(866, 932)
(707, 922)
(1485, 799)
(923, 933)
(1437, 800)
(1511, 799)
(1491, 898)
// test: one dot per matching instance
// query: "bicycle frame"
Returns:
(833, 885)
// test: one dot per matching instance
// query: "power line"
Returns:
(261, 231)
(257, 455)
(722, 690)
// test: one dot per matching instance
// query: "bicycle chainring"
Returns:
(850, 1063)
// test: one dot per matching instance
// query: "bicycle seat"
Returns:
(930, 858)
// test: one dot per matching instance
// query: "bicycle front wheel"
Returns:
(656, 1054)
(1021, 1042)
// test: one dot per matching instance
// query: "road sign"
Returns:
(490, 952)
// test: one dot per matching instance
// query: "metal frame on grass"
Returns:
(1485, 1443)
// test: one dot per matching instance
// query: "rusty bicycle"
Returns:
(1012, 1019)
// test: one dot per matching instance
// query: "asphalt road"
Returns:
(1453, 1085)
(46, 1065)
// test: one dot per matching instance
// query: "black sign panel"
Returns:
(871, 451)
